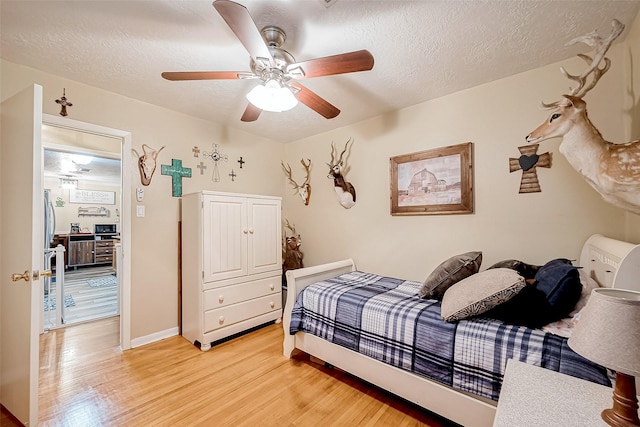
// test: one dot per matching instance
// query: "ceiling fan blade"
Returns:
(315, 102)
(204, 75)
(360, 60)
(251, 113)
(239, 20)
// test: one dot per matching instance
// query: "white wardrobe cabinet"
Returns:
(231, 264)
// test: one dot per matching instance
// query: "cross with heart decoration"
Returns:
(528, 162)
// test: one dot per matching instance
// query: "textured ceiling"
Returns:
(422, 49)
(61, 147)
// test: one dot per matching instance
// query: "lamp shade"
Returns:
(608, 331)
(272, 97)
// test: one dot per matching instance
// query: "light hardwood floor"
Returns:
(85, 380)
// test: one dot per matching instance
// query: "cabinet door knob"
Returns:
(245, 231)
(221, 320)
(221, 299)
(272, 304)
(271, 286)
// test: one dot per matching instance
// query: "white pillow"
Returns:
(480, 293)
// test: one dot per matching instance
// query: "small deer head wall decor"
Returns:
(304, 189)
(147, 163)
(345, 191)
(613, 170)
(292, 258)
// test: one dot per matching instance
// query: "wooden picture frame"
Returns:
(432, 182)
(92, 197)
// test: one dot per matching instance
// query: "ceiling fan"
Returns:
(275, 67)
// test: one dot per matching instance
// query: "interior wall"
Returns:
(67, 212)
(496, 117)
(154, 275)
(631, 93)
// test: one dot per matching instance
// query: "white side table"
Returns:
(536, 397)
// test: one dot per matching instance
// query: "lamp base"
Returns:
(625, 403)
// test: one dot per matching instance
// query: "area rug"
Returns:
(50, 303)
(103, 281)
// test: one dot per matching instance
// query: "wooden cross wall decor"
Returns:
(177, 172)
(64, 103)
(528, 162)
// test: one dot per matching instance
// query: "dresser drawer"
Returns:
(225, 316)
(104, 258)
(104, 243)
(227, 295)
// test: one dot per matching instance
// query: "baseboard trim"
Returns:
(156, 336)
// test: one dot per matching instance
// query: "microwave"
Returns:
(104, 229)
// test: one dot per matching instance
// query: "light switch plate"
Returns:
(140, 211)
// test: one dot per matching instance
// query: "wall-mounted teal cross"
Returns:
(177, 172)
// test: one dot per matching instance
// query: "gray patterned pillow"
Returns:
(450, 272)
(480, 293)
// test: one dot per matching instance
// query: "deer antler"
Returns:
(333, 149)
(344, 151)
(288, 225)
(307, 168)
(594, 70)
(287, 172)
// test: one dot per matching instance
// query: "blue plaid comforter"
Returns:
(383, 318)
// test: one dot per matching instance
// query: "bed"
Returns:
(610, 262)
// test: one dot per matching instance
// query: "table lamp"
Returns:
(608, 333)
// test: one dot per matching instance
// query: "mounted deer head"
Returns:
(611, 169)
(147, 163)
(304, 189)
(292, 256)
(345, 191)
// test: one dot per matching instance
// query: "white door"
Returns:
(225, 235)
(21, 252)
(265, 250)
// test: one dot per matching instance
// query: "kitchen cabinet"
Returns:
(83, 249)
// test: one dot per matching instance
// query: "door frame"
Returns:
(124, 268)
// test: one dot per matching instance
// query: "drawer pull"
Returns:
(272, 304)
(271, 286)
(221, 320)
(221, 299)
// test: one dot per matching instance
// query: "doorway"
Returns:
(82, 182)
(88, 175)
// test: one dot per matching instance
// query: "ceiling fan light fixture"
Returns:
(272, 96)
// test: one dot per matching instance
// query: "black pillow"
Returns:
(559, 280)
(528, 271)
(528, 308)
(550, 297)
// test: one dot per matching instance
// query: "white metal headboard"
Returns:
(612, 263)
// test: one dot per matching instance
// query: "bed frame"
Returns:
(613, 263)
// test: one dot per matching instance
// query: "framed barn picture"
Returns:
(432, 182)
